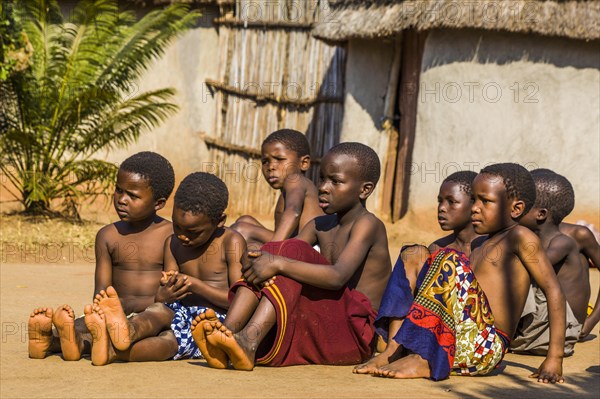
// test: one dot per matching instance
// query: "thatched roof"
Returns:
(380, 18)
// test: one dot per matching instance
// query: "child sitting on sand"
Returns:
(589, 250)
(298, 306)
(208, 254)
(129, 255)
(450, 326)
(454, 214)
(555, 199)
(285, 158)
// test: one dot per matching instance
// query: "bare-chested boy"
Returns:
(208, 254)
(555, 199)
(129, 255)
(589, 250)
(285, 159)
(312, 308)
(454, 214)
(450, 327)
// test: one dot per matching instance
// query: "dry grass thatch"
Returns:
(347, 19)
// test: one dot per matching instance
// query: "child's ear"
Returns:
(366, 189)
(160, 204)
(222, 220)
(517, 209)
(305, 163)
(542, 214)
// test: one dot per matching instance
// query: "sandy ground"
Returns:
(25, 286)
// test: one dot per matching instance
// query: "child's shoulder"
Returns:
(578, 232)
(562, 242)
(231, 234)
(370, 225)
(297, 181)
(520, 234)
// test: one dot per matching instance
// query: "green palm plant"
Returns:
(76, 97)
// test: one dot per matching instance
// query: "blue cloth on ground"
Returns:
(396, 300)
(181, 326)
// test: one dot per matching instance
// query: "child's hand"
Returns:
(550, 371)
(269, 282)
(262, 269)
(174, 288)
(166, 276)
(254, 254)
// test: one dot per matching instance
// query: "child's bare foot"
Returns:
(391, 353)
(117, 324)
(40, 332)
(411, 366)
(96, 322)
(64, 321)
(215, 357)
(220, 337)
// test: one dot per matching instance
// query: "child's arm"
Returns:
(591, 249)
(236, 256)
(531, 254)
(103, 272)
(295, 194)
(362, 238)
(173, 287)
(234, 249)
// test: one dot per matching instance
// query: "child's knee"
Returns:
(160, 310)
(244, 228)
(246, 219)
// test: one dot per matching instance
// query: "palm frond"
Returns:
(71, 103)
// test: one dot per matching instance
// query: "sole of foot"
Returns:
(220, 337)
(64, 321)
(95, 321)
(40, 332)
(116, 319)
(215, 357)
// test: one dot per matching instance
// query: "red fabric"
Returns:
(314, 325)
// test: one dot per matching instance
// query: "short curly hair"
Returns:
(517, 180)
(154, 168)
(370, 168)
(553, 192)
(204, 193)
(292, 140)
(463, 178)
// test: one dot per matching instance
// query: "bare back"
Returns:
(131, 261)
(572, 272)
(372, 274)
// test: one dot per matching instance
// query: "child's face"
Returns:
(491, 210)
(454, 207)
(133, 198)
(278, 162)
(340, 186)
(193, 230)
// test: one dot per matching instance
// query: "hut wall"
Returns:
(367, 76)
(272, 74)
(186, 64)
(490, 97)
